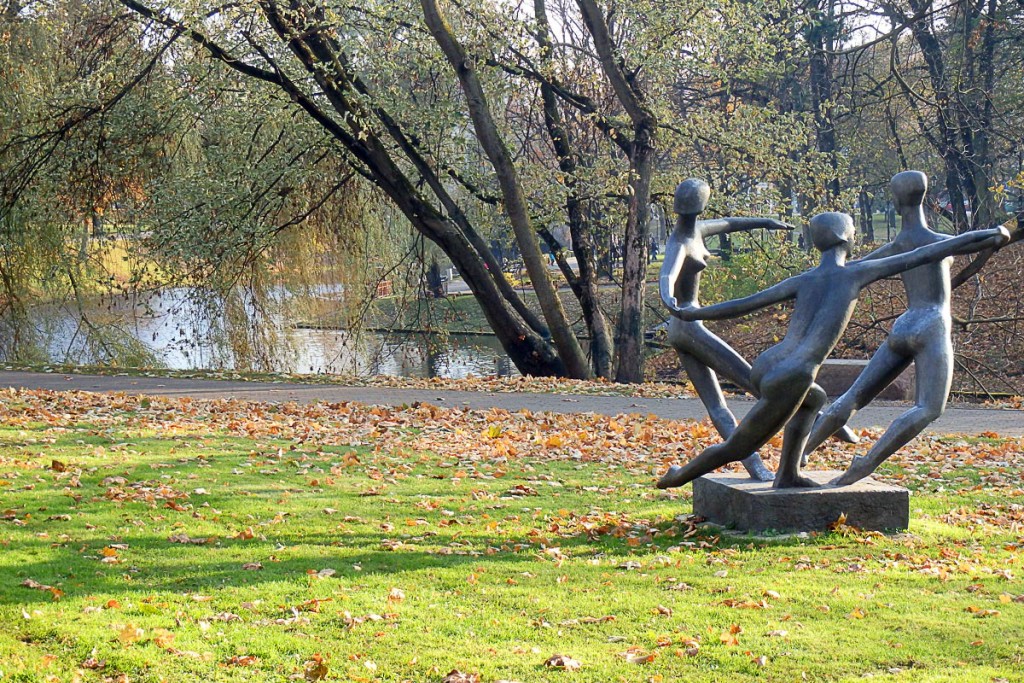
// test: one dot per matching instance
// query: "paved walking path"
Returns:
(956, 419)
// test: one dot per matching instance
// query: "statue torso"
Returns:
(695, 256)
(927, 286)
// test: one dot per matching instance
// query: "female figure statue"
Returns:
(701, 352)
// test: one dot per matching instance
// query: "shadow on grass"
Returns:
(152, 564)
(151, 570)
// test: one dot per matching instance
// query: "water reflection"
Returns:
(399, 354)
(186, 329)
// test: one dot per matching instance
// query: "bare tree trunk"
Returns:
(515, 201)
(585, 286)
(629, 342)
(963, 115)
(822, 36)
(867, 219)
(983, 203)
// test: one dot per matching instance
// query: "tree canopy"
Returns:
(234, 132)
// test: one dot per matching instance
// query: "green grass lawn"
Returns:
(177, 540)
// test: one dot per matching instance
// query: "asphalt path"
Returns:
(957, 419)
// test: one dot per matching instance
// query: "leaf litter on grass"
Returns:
(490, 526)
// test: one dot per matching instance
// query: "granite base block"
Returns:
(736, 501)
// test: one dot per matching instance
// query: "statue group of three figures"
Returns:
(783, 377)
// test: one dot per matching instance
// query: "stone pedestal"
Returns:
(737, 502)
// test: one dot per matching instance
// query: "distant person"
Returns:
(435, 281)
(545, 249)
(922, 335)
(784, 375)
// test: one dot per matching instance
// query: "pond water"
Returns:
(183, 332)
(399, 354)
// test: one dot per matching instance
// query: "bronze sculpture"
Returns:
(921, 335)
(703, 354)
(825, 297)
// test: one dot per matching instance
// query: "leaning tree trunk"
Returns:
(346, 110)
(512, 193)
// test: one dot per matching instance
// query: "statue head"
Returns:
(830, 229)
(691, 196)
(908, 189)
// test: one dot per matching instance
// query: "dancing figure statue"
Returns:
(701, 352)
(704, 355)
(784, 375)
(921, 335)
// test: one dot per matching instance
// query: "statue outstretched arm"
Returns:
(976, 240)
(786, 289)
(719, 226)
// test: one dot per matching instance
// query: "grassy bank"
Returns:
(150, 539)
